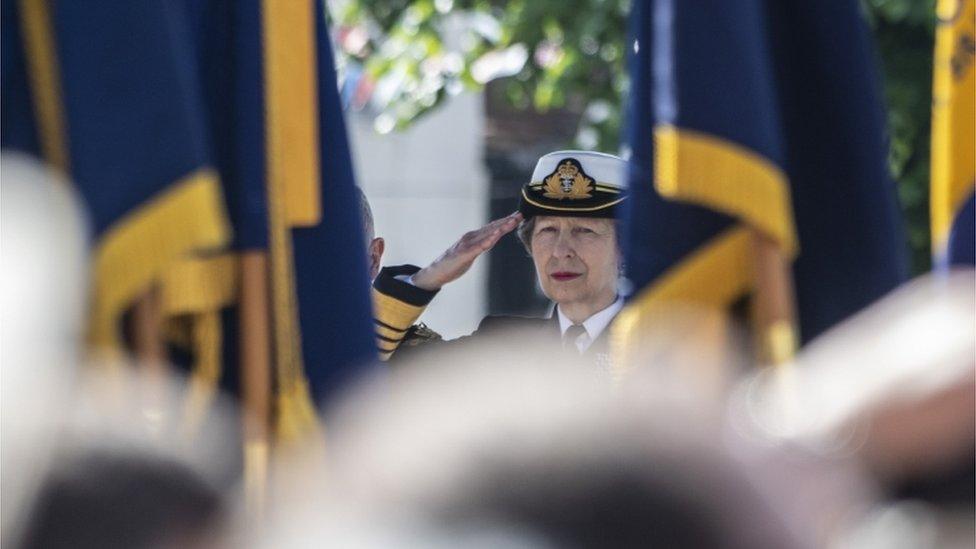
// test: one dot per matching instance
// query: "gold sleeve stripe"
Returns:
(392, 312)
(379, 323)
(387, 347)
(388, 339)
(388, 334)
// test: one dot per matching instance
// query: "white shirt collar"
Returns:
(595, 324)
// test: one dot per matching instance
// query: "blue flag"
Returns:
(280, 145)
(332, 337)
(332, 278)
(144, 103)
(106, 92)
(758, 116)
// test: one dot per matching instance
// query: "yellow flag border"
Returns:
(702, 169)
(953, 177)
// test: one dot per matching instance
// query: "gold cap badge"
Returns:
(568, 181)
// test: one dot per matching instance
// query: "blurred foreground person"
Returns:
(895, 388)
(91, 454)
(123, 472)
(375, 246)
(826, 452)
(124, 500)
(565, 220)
(529, 454)
(44, 274)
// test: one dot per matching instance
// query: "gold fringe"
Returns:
(138, 249)
(199, 285)
(713, 276)
(42, 61)
(296, 417)
(953, 117)
(126, 259)
(194, 291)
(702, 169)
(298, 422)
(294, 400)
(292, 108)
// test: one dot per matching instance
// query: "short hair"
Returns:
(524, 233)
(367, 214)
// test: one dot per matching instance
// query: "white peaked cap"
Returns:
(606, 169)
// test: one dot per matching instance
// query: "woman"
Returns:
(565, 220)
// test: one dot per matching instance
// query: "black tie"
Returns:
(571, 335)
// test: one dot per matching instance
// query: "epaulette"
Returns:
(418, 334)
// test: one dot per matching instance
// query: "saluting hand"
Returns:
(458, 258)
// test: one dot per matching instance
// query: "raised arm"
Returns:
(400, 294)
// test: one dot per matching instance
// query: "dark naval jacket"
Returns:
(398, 304)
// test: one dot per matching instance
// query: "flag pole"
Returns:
(151, 357)
(255, 350)
(147, 332)
(774, 306)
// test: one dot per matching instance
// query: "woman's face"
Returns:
(576, 259)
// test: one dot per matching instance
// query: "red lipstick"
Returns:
(563, 276)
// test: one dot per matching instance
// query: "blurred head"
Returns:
(568, 207)
(44, 283)
(374, 245)
(490, 449)
(108, 498)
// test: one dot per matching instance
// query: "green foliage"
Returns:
(904, 33)
(570, 54)
(553, 54)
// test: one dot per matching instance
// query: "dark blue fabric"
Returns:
(962, 247)
(713, 57)
(853, 248)
(131, 99)
(331, 277)
(132, 108)
(655, 233)
(153, 90)
(331, 280)
(794, 82)
(227, 37)
(17, 130)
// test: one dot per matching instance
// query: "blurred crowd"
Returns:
(866, 439)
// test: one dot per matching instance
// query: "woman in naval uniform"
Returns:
(565, 220)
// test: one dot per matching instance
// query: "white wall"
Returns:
(427, 187)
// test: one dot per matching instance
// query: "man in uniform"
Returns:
(565, 220)
(375, 246)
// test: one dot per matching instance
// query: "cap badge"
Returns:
(568, 181)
